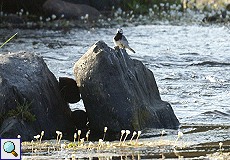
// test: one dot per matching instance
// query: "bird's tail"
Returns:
(131, 49)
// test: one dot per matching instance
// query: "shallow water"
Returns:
(191, 65)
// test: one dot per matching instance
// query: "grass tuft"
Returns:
(22, 111)
(8, 40)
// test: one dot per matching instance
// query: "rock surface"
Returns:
(70, 10)
(26, 82)
(14, 126)
(120, 92)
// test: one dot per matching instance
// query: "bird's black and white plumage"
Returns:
(121, 41)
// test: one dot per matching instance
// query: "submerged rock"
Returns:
(119, 92)
(30, 93)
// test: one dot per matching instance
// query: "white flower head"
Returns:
(37, 136)
(139, 133)
(53, 16)
(79, 132)
(48, 19)
(105, 129)
(134, 133)
(127, 132)
(86, 16)
(87, 134)
(221, 144)
(58, 132)
(75, 135)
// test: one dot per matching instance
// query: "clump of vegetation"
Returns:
(8, 40)
(142, 6)
(162, 147)
(22, 111)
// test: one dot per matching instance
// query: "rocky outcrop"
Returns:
(70, 10)
(120, 92)
(29, 93)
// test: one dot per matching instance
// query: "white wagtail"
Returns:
(121, 41)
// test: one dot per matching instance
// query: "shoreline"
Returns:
(115, 18)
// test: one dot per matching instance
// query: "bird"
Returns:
(121, 41)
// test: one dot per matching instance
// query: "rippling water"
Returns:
(191, 64)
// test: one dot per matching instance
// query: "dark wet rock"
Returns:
(30, 92)
(13, 126)
(12, 18)
(216, 18)
(100, 5)
(70, 10)
(120, 92)
(13, 6)
(69, 90)
(213, 18)
(79, 118)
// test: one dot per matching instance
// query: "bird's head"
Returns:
(119, 30)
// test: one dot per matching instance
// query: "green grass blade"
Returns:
(8, 40)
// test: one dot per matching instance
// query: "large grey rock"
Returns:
(25, 79)
(101, 5)
(120, 92)
(70, 10)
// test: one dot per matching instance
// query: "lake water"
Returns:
(191, 65)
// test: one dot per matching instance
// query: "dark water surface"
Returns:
(191, 65)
